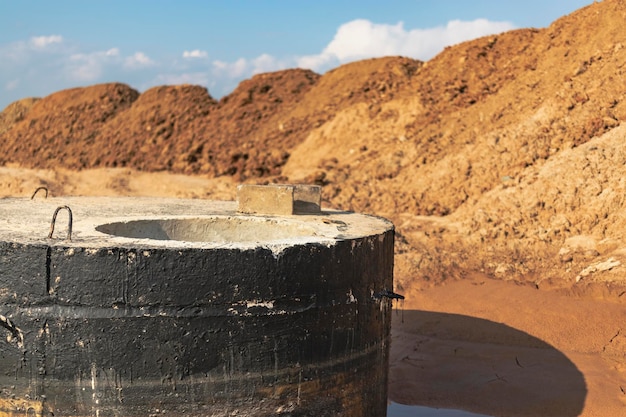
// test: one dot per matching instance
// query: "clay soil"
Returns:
(501, 162)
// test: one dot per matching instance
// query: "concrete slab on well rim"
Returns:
(281, 199)
(186, 307)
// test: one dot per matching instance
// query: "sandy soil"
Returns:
(502, 349)
(22, 182)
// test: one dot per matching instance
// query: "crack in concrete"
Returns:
(48, 262)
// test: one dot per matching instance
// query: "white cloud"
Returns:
(196, 53)
(41, 42)
(231, 70)
(267, 63)
(20, 52)
(360, 39)
(112, 52)
(196, 78)
(238, 68)
(246, 68)
(89, 67)
(316, 62)
(93, 66)
(457, 31)
(42, 64)
(138, 60)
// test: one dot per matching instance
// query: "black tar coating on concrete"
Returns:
(132, 331)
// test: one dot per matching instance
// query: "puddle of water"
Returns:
(400, 410)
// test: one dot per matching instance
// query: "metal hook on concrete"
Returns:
(54, 219)
(39, 189)
(390, 294)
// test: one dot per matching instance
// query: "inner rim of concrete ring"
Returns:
(209, 229)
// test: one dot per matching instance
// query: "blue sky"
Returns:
(46, 46)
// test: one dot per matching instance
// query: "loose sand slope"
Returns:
(501, 158)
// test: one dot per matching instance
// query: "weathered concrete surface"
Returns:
(128, 321)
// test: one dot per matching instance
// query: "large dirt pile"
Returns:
(15, 112)
(60, 130)
(500, 155)
(483, 161)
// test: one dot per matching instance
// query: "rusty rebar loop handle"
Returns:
(69, 223)
(39, 189)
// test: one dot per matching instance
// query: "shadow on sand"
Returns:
(462, 362)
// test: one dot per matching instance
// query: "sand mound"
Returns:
(510, 142)
(15, 112)
(499, 155)
(58, 130)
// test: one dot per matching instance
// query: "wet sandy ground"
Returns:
(501, 349)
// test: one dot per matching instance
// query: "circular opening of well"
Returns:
(213, 229)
